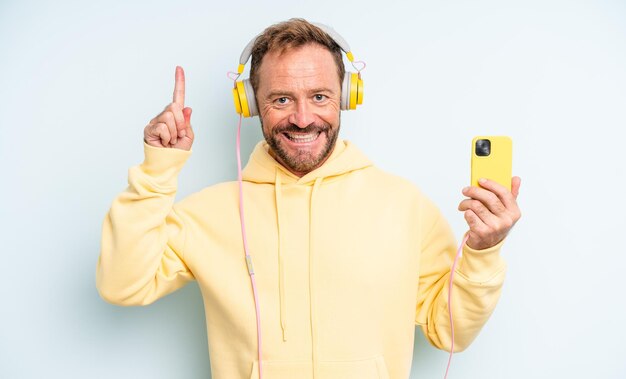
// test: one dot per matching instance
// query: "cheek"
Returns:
(271, 118)
(332, 111)
(331, 116)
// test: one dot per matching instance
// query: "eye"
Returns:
(282, 100)
(319, 98)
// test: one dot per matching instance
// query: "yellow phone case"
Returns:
(497, 165)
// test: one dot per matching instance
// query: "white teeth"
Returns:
(302, 138)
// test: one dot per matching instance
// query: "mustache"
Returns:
(292, 128)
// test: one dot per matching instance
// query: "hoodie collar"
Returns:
(346, 157)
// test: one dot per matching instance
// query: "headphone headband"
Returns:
(339, 40)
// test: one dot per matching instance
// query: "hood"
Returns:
(263, 168)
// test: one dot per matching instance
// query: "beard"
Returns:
(302, 160)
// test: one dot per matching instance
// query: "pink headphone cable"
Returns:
(456, 259)
(245, 245)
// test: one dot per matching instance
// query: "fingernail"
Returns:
(482, 180)
(465, 189)
(174, 141)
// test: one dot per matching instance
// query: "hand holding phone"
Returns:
(491, 208)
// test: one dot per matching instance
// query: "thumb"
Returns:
(187, 115)
(187, 132)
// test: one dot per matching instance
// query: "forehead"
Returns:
(308, 66)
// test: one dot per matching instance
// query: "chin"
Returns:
(300, 150)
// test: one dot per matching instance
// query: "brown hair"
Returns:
(293, 33)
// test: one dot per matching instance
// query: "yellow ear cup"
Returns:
(359, 92)
(244, 109)
(354, 84)
(237, 101)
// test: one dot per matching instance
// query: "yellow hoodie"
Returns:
(347, 260)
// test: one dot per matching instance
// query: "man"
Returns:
(347, 258)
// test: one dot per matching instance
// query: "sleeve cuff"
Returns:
(481, 265)
(159, 160)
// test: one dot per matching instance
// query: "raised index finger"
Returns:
(179, 87)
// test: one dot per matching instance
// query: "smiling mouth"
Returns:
(302, 138)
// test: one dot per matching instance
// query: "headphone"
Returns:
(351, 87)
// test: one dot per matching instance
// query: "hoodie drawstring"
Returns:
(281, 261)
(314, 191)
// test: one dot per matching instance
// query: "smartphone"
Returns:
(492, 158)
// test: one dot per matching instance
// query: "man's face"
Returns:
(298, 97)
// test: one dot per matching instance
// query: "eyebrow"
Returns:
(291, 94)
(321, 89)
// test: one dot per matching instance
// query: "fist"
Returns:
(172, 127)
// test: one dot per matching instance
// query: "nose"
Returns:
(302, 116)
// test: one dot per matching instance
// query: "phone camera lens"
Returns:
(483, 147)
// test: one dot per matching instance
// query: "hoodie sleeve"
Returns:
(477, 284)
(143, 234)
